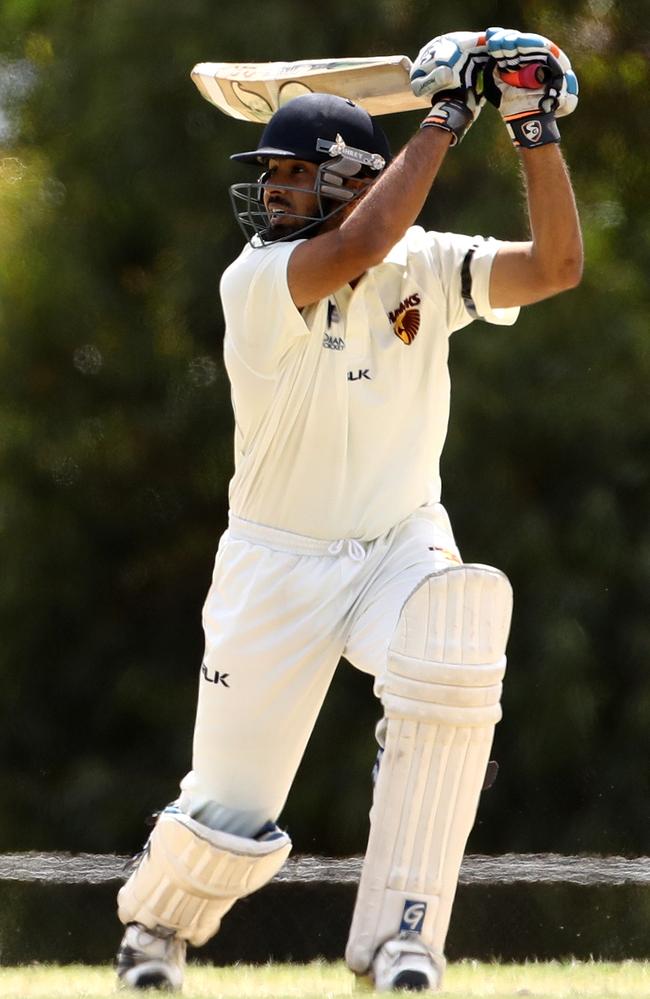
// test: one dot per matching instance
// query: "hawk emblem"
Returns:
(406, 325)
(405, 319)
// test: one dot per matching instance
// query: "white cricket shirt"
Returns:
(341, 408)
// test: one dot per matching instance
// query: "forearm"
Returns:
(553, 216)
(552, 261)
(395, 201)
(320, 266)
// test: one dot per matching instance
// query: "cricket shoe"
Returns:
(151, 959)
(405, 963)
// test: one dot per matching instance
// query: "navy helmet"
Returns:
(296, 127)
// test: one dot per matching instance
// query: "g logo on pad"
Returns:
(413, 916)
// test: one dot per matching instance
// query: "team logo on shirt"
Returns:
(405, 319)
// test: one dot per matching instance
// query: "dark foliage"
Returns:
(115, 425)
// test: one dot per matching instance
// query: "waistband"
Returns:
(294, 544)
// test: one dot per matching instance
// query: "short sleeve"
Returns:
(475, 284)
(463, 265)
(261, 318)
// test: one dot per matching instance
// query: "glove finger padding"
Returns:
(529, 111)
(449, 62)
(511, 50)
(449, 70)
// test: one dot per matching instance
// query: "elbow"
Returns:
(366, 253)
(565, 275)
(572, 272)
(366, 247)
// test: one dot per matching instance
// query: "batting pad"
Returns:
(190, 876)
(441, 696)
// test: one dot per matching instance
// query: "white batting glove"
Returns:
(449, 70)
(532, 85)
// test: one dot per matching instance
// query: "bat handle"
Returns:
(533, 76)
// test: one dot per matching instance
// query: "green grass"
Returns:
(552, 980)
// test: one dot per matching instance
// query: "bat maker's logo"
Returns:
(405, 319)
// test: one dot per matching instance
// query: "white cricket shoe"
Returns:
(405, 963)
(149, 959)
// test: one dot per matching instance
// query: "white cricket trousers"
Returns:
(280, 613)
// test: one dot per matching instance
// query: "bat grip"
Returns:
(533, 76)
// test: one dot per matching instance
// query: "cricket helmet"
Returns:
(295, 129)
(333, 132)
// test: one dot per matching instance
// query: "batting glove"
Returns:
(532, 85)
(449, 70)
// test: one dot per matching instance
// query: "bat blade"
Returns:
(254, 91)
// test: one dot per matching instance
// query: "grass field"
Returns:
(332, 981)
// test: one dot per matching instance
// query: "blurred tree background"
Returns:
(115, 423)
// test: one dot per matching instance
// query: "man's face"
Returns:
(283, 205)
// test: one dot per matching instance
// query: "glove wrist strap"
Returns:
(450, 114)
(532, 129)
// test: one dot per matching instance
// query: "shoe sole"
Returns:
(412, 981)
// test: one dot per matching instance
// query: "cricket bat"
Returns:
(253, 91)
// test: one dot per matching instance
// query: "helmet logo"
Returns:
(358, 156)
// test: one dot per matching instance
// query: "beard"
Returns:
(289, 227)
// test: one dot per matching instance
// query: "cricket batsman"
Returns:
(338, 316)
